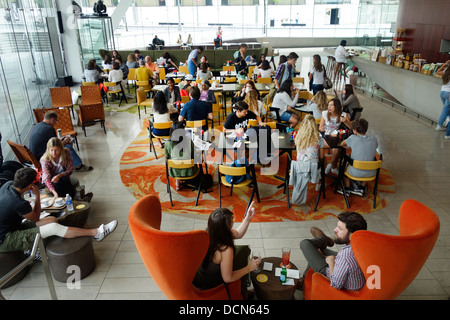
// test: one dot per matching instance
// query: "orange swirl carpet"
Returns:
(143, 174)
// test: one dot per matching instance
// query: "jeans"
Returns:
(316, 88)
(445, 111)
(315, 259)
(75, 158)
(192, 68)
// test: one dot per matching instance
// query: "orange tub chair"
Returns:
(399, 258)
(173, 258)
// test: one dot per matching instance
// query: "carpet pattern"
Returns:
(143, 175)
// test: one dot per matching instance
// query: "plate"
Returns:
(45, 204)
(56, 205)
(80, 206)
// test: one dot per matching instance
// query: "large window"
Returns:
(27, 68)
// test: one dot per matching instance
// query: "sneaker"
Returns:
(447, 137)
(328, 168)
(37, 257)
(105, 230)
(447, 120)
(358, 192)
(84, 168)
(440, 128)
(347, 191)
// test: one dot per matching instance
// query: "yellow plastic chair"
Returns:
(185, 99)
(226, 68)
(87, 83)
(298, 80)
(120, 91)
(251, 69)
(183, 69)
(264, 80)
(238, 172)
(143, 101)
(230, 79)
(219, 105)
(162, 74)
(182, 164)
(131, 77)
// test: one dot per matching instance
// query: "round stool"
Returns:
(9, 261)
(63, 253)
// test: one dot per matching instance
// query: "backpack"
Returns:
(238, 179)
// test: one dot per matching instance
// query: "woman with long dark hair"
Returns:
(225, 262)
(285, 100)
(317, 74)
(350, 101)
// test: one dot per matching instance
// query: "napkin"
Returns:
(268, 266)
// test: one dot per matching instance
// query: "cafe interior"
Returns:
(161, 238)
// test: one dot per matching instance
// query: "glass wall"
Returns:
(27, 68)
(249, 19)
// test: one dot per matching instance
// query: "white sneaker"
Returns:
(447, 137)
(447, 120)
(105, 230)
(440, 128)
(328, 168)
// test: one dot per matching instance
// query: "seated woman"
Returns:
(132, 62)
(206, 94)
(170, 65)
(173, 96)
(160, 114)
(255, 106)
(262, 58)
(107, 63)
(91, 74)
(309, 146)
(180, 147)
(265, 71)
(316, 105)
(350, 102)
(116, 75)
(203, 73)
(284, 102)
(203, 59)
(330, 121)
(57, 166)
(115, 54)
(225, 262)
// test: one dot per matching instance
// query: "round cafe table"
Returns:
(272, 289)
(77, 218)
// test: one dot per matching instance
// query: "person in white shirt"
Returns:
(341, 54)
(266, 71)
(317, 74)
(284, 102)
(115, 75)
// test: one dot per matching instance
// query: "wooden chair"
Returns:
(143, 101)
(237, 172)
(91, 107)
(84, 83)
(183, 164)
(362, 165)
(62, 98)
(298, 80)
(120, 91)
(264, 80)
(25, 156)
(160, 126)
(64, 121)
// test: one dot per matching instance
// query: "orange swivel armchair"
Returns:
(169, 256)
(398, 259)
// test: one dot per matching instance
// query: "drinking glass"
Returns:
(256, 255)
(286, 256)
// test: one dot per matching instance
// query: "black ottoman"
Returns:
(9, 261)
(63, 253)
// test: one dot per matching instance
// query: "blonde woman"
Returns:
(57, 166)
(132, 62)
(317, 105)
(308, 141)
(255, 105)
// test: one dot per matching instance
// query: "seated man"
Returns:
(196, 109)
(364, 148)
(18, 235)
(144, 74)
(152, 66)
(238, 120)
(43, 132)
(341, 268)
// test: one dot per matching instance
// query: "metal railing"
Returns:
(38, 243)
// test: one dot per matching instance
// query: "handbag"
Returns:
(327, 84)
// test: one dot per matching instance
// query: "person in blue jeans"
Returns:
(192, 60)
(445, 93)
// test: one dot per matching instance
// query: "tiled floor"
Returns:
(415, 153)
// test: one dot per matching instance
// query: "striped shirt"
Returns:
(346, 274)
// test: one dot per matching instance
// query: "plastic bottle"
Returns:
(69, 203)
(283, 275)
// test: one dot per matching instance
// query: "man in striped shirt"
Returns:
(341, 268)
